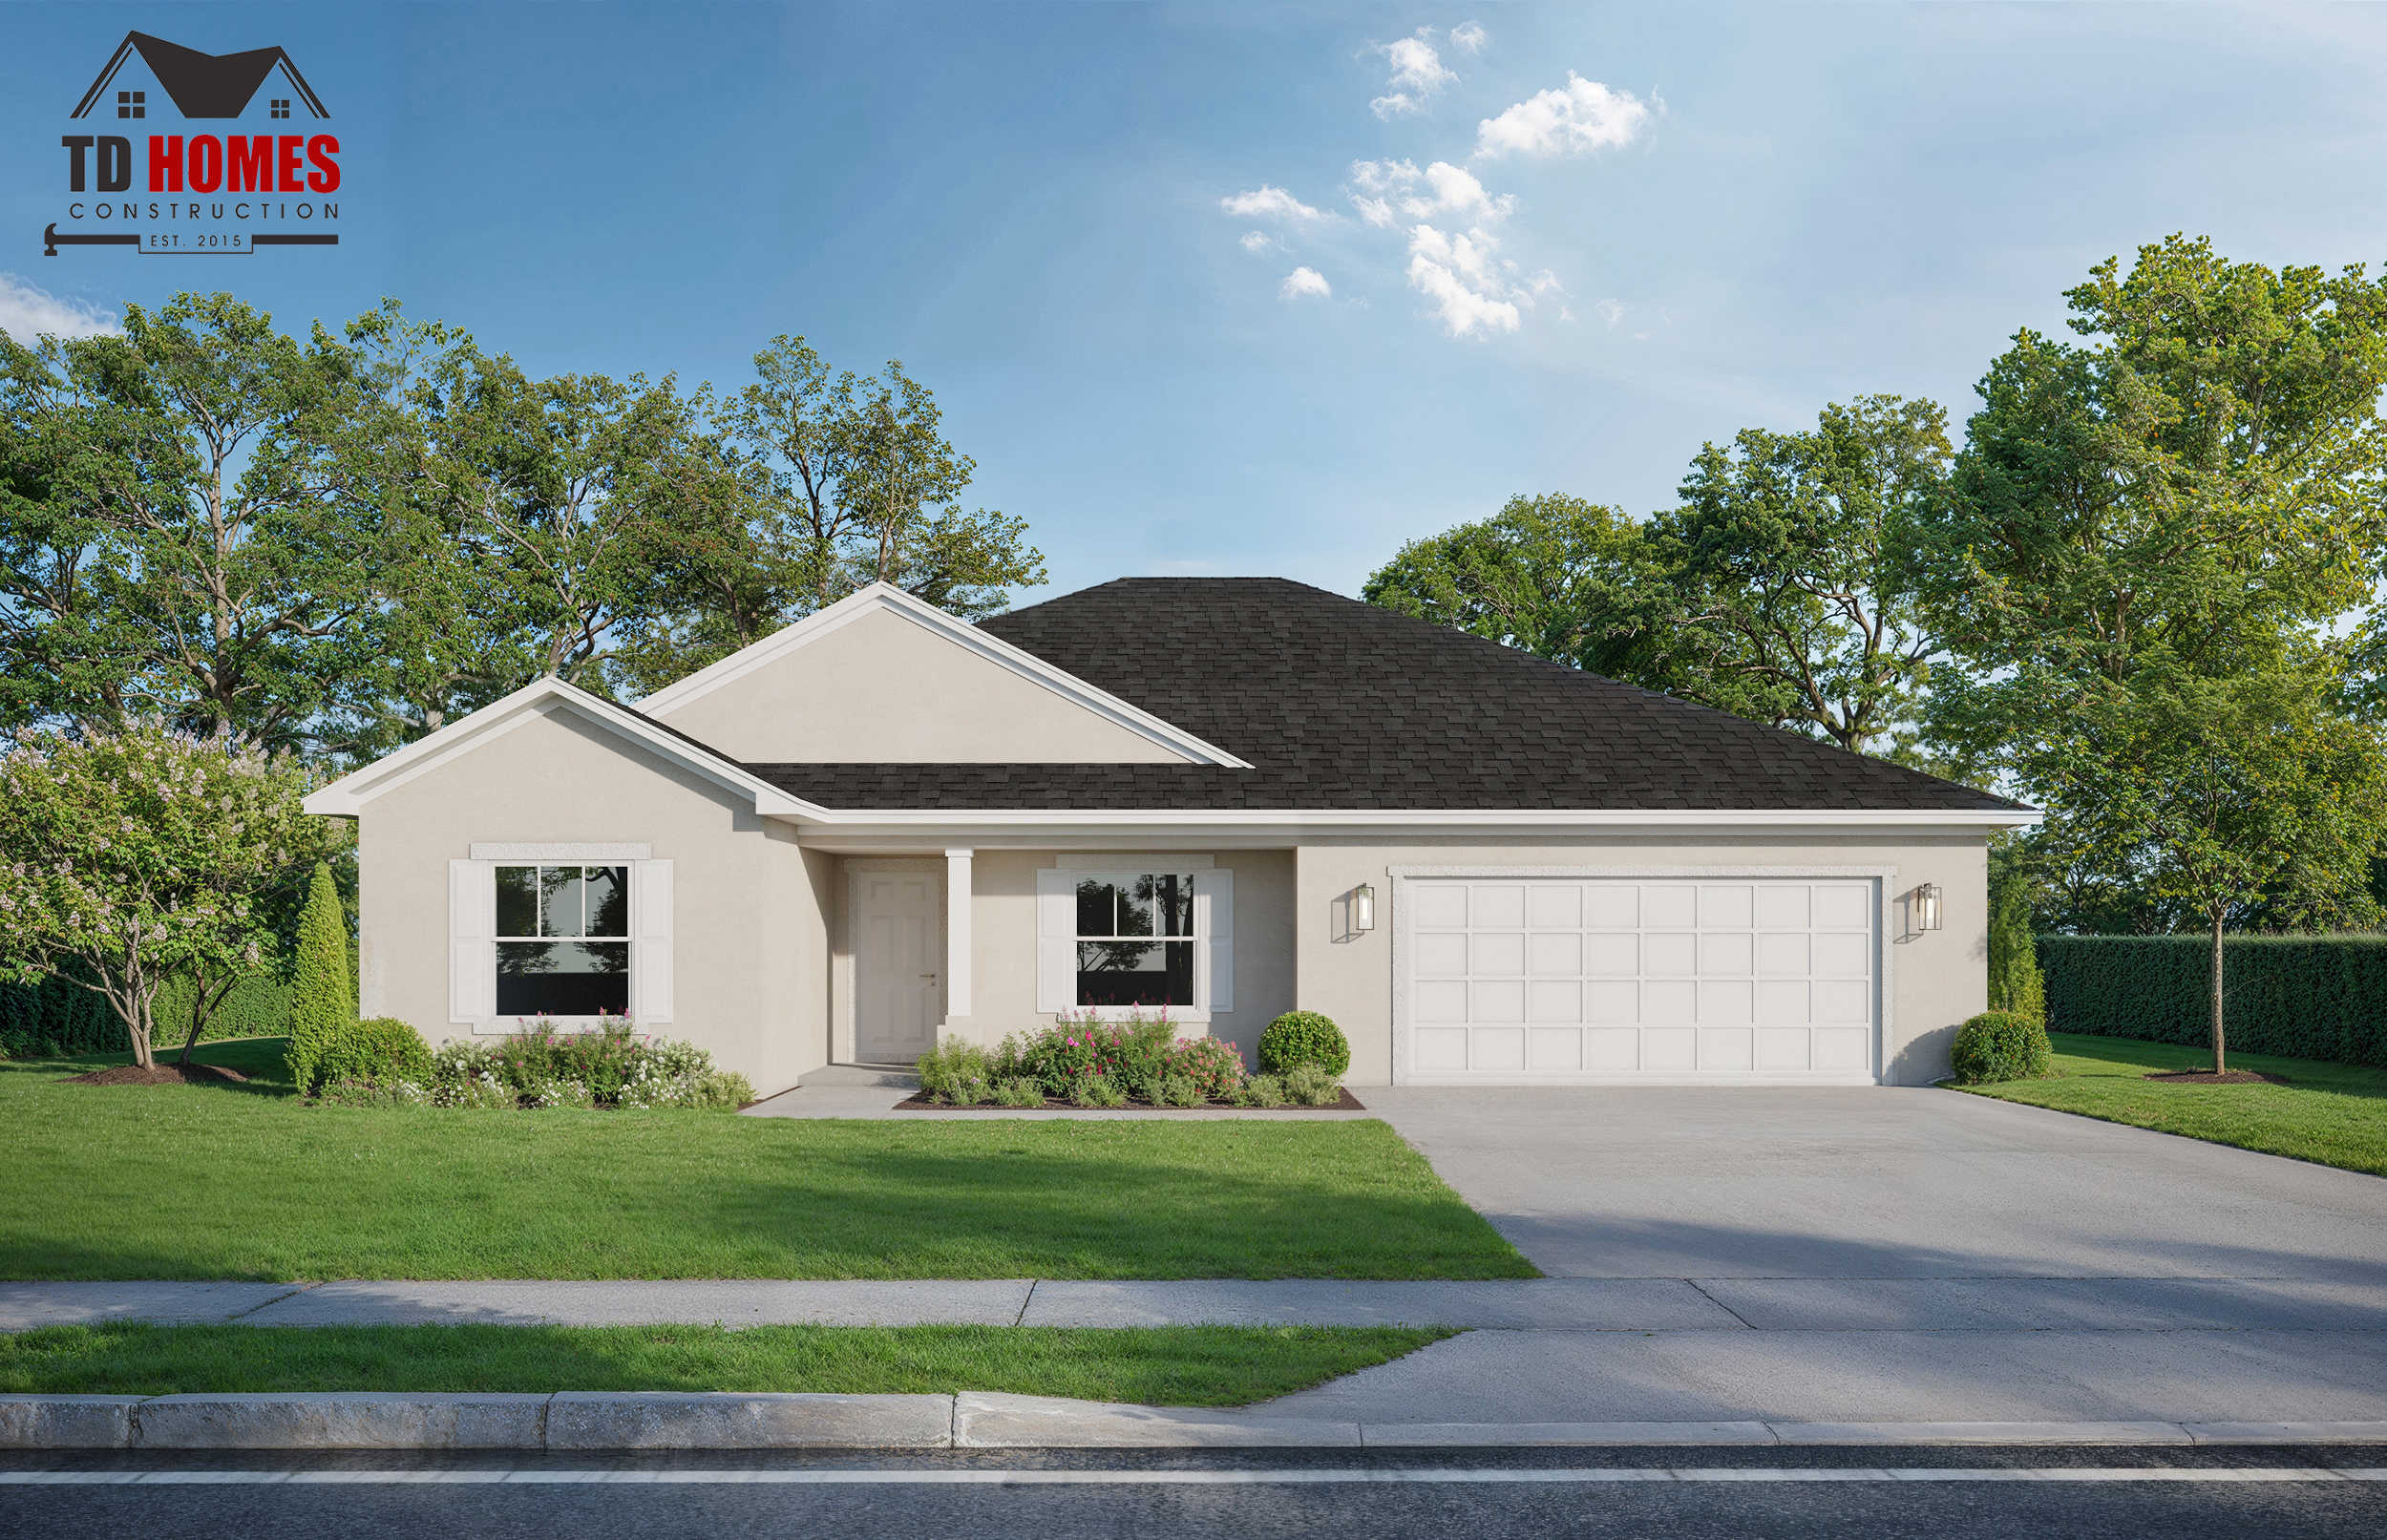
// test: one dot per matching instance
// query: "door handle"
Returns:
(928, 976)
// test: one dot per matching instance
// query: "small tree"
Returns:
(143, 853)
(321, 1000)
(2014, 983)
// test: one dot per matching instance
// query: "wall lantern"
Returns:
(1363, 908)
(1927, 907)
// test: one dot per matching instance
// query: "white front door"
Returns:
(1526, 980)
(899, 963)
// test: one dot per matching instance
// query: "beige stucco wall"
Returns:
(885, 688)
(1935, 978)
(1002, 954)
(751, 908)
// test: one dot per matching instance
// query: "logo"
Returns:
(227, 193)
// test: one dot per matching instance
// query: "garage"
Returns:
(1509, 980)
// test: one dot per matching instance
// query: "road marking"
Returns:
(2042, 1474)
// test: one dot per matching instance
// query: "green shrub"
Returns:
(383, 1050)
(956, 1070)
(322, 999)
(1214, 1067)
(1019, 1092)
(2301, 997)
(1303, 1038)
(1098, 1090)
(2002, 1045)
(1177, 1090)
(2015, 981)
(1261, 1090)
(1310, 1085)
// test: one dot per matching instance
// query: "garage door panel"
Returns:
(1516, 978)
(1554, 1000)
(1556, 1049)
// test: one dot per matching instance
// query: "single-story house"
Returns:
(1231, 797)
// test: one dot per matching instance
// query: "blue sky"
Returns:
(1642, 226)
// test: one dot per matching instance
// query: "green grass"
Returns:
(244, 1182)
(2330, 1113)
(1173, 1365)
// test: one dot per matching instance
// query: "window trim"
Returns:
(472, 934)
(1055, 934)
(627, 940)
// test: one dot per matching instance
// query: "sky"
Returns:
(1248, 289)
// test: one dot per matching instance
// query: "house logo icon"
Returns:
(202, 85)
(225, 190)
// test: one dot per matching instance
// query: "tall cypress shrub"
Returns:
(321, 1000)
(2015, 981)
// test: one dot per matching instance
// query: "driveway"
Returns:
(1908, 1255)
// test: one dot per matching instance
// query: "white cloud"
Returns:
(1415, 67)
(1610, 311)
(1306, 281)
(1270, 203)
(1455, 272)
(1448, 189)
(1468, 37)
(27, 312)
(1257, 241)
(1580, 116)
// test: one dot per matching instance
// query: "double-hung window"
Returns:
(1135, 939)
(563, 940)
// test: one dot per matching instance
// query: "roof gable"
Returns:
(882, 677)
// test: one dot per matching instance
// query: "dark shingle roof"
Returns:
(1340, 705)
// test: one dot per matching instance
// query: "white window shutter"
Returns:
(472, 950)
(1056, 941)
(1214, 922)
(650, 949)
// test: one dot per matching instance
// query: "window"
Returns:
(281, 106)
(1136, 940)
(563, 937)
(128, 103)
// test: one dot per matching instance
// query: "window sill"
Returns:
(498, 1026)
(1178, 1017)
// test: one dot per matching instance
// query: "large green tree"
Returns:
(2151, 537)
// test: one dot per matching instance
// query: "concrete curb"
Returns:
(739, 1420)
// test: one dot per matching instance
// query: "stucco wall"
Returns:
(884, 689)
(1937, 979)
(1002, 954)
(751, 949)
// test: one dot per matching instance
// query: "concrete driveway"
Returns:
(1906, 1254)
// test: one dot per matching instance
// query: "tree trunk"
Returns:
(2218, 1038)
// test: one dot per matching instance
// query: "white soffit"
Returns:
(346, 796)
(883, 597)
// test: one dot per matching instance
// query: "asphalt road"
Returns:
(1932, 1493)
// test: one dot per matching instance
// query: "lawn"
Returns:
(1174, 1366)
(2330, 1113)
(246, 1182)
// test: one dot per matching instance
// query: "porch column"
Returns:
(957, 931)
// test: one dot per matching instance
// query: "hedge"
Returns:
(79, 1021)
(2305, 997)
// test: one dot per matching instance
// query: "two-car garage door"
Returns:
(1544, 979)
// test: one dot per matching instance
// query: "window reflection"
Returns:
(548, 961)
(1116, 964)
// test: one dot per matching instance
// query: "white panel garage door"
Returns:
(1555, 980)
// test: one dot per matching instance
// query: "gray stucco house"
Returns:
(1231, 797)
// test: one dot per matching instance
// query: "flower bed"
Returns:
(540, 1066)
(1083, 1062)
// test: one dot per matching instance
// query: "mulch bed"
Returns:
(2205, 1077)
(157, 1075)
(919, 1103)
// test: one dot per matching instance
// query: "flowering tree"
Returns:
(143, 852)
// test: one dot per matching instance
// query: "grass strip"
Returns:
(246, 1182)
(1160, 1365)
(2331, 1115)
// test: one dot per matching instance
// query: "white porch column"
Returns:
(957, 931)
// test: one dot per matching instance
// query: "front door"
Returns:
(899, 963)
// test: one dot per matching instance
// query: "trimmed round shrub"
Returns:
(2002, 1045)
(1299, 1038)
(381, 1050)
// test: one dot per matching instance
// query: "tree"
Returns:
(1552, 575)
(142, 852)
(1787, 595)
(321, 998)
(2148, 539)
(2015, 981)
(174, 549)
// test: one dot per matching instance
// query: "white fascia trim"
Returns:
(346, 796)
(886, 597)
(1218, 819)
